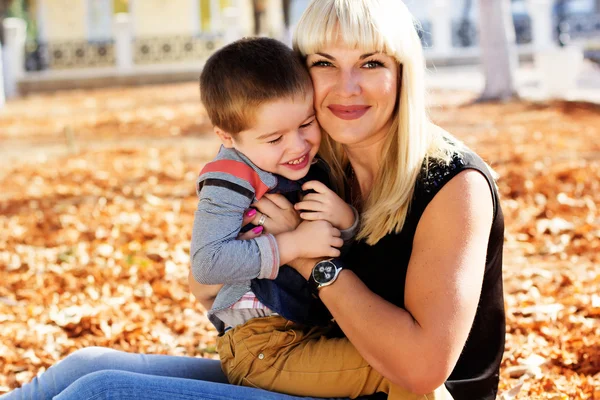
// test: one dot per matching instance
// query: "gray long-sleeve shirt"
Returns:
(226, 188)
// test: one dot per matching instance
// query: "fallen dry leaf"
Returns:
(97, 200)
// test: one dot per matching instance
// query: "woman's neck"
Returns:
(364, 160)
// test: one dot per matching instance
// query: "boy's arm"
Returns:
(350, 233)
(325, 204)
(216, 254)
(205, 294)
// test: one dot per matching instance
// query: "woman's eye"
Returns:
(275, 140)
(321, 63)
(373, 64)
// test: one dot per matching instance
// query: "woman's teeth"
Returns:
(298, 161)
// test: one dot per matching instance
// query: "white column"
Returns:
(131, 12)
(274, 18)
(123, 32)
(15, 31)
(215, 16)
(441, 26)
(557, 67)
(194, 6)
(246, 22)
(41, 20)
(231, 22)
(541, 21)
(2, 95)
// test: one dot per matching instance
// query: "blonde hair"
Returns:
(384, 26)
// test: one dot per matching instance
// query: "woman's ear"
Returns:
(225, 137)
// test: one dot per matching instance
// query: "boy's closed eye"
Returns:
(276, 140)
(280, 137)
(309, 123)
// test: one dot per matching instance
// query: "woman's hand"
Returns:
(280, 215)
(326, 205)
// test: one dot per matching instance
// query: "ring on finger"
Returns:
(261, 220)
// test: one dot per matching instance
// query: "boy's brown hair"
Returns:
(245, 74)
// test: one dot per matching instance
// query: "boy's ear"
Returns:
(225, 137)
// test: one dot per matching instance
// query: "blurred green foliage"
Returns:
(21, 9)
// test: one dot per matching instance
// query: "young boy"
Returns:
(259, 98)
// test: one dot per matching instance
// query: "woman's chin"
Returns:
(346, 133)
(348, 137)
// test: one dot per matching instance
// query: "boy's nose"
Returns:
(299, 144)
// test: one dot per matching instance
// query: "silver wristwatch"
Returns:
(324, 273)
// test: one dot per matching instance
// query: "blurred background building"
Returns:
(85, 43)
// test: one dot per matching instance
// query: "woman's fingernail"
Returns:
(258, 229)
(251, 212)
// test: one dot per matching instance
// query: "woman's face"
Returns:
(355, 93)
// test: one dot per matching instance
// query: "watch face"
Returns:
(324, 272)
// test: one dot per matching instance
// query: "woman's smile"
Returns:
(348, 112)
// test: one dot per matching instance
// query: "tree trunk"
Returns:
(286, 5)
(497, 42)
(259, 7)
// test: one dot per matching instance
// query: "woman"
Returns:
(421, 294)
(426, 274)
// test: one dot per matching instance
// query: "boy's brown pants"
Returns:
(275, 354)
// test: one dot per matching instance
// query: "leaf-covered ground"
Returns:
(97, 200)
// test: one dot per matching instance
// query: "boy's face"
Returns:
(284, 139)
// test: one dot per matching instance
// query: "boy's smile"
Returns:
(283, 139)
(299, 163)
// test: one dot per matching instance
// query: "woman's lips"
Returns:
(348, 112)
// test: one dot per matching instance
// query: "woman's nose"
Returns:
(349, 83)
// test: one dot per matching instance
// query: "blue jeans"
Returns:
(96, 373)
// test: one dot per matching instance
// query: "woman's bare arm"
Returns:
(417, 349)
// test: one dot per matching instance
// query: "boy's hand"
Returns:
(311, 239)
(326, 205)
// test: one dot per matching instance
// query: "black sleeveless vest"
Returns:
(476, 373)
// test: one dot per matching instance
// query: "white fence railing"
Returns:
(444, 37)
